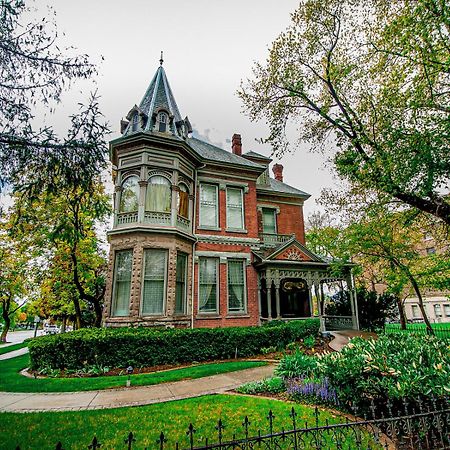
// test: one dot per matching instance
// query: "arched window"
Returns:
(183, 201)
(129, 197)
(162, 121)
(159, 194)
(135, 122)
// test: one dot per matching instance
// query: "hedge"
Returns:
(146, 347)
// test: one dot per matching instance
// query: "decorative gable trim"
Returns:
(293, 250)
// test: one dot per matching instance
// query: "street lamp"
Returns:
(129, 372)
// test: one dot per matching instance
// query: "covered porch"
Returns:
(295, 290)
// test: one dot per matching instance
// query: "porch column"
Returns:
(259, 300)
(269, 298)
(277, 298)
(353, 305)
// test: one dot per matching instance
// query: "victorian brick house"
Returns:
(203, 237)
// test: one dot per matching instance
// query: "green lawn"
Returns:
(11, 348)
(441, 329)
(76, 429)
(12, 381)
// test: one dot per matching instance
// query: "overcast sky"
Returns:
(209, 47)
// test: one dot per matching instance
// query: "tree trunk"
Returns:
(421, 306)
(76, 304)
(63, 324)
(401, 313)
(7, 320)
(98, 313)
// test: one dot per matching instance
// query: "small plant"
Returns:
(296, 365)
(309, 342)
(292, 346)
(315, 390)
(274, 385)
(267, 350)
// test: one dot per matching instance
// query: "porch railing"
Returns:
(336, 323)
(272, 240)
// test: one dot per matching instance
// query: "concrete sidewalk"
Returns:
(142, 395)
(14, 353)
(342, 338)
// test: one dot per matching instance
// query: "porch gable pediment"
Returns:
(293, 250)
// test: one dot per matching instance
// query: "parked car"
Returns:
(50, 329)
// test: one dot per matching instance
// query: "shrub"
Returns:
(274, 385)
(144, 347)
(309, 342)
(296, 366)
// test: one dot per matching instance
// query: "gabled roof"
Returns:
(273, 253)
(213, 153)
(255, 155)
(276, 186)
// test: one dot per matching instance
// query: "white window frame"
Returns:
(216, 311)
(244, 269)
(235, 188)
(415, 311)
(201, 224)
(114, 290)
(437, 309)
(164, 302)
(446, 310)
(274, 212)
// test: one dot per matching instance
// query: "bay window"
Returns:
(154, 285)
(159, 194)
(183, 201)
(180, 289)
(208, 282)
(129, 197)
(122, 283)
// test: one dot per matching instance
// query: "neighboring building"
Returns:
(203, 237)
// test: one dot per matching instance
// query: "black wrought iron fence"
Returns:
(415, 425)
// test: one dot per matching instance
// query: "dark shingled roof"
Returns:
(252, 154)
(216, 154)
(283, 188)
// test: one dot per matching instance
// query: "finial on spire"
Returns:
(161, 60)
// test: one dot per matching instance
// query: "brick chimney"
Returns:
(278, 172)
(236, 144)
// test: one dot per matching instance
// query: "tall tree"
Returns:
(62, 227)
(374, 78)
(33, 73)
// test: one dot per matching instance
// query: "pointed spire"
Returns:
(161, 59)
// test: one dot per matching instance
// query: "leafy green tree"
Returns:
(34, 72)
(62, 229)
(373, 78)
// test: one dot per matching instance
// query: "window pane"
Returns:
(235, 216)
(129, 197)
(121, 301)
(447, 310)
(183, 201)
(180, 294)
(437, 310)
(154, 282)
(208, 285)
(236, 286)
(269, 222)
(159, 195)
(208, 205)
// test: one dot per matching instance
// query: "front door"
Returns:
(294, 298)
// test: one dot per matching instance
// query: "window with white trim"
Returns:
(415, 311)
(208, 269)
(180, 288)
(154, 282)
(237, 299)
(269, 221)
(235, 208)
(437, 310)
(209, 201)
(447, 310)
(122, 283)
(129, 196)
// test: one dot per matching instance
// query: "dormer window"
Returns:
(135, 122)
(162, 121)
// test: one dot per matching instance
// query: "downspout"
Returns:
(194, 218)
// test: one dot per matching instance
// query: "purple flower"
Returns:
(318, 389)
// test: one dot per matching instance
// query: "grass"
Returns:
(76, 429)
(11, 348)
(12, 381)
(441, 330)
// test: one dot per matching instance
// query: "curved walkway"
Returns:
(14, 353)
(117, 398)
(342, 338)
